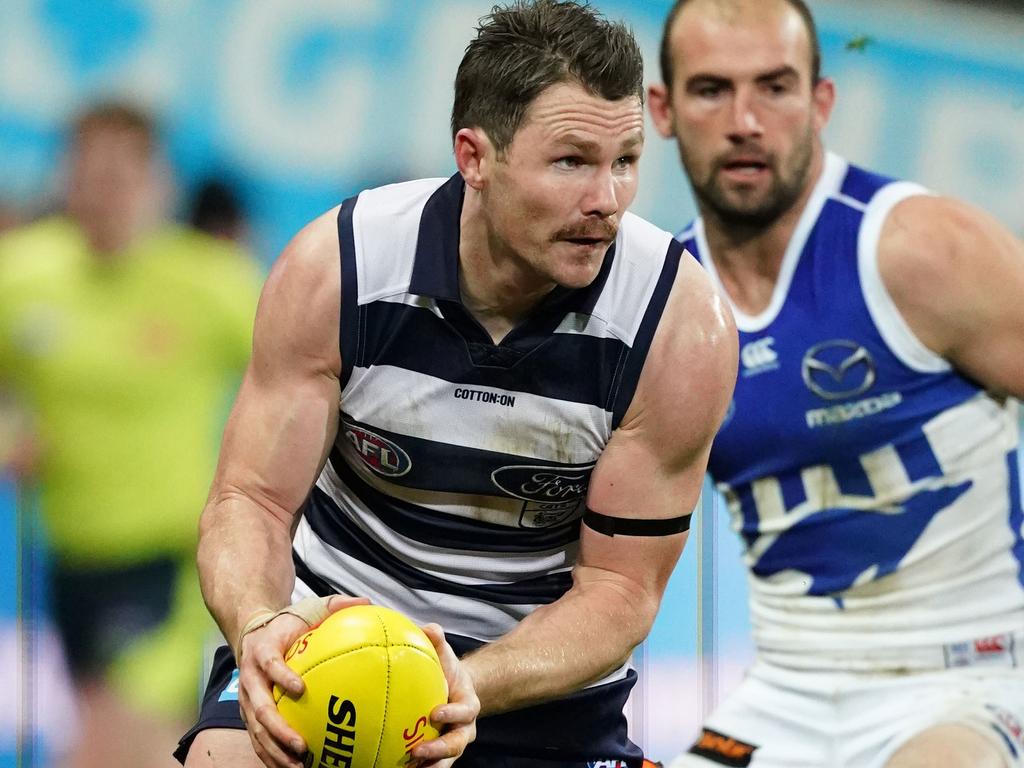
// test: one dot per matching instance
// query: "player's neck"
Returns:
(749, 260)
(497, 288)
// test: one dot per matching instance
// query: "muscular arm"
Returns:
(957, 277)
(278, 434)
(652, 467)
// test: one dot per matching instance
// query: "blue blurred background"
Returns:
(298, 104)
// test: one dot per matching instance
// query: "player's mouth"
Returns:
(745, 168)
(587, 242)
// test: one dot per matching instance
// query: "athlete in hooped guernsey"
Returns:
(869, 455)
(484, 401)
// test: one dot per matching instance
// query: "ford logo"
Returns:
(544, 484)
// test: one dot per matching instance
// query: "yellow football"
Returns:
(372, 678)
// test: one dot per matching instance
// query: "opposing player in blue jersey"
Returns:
(869, 456)
(529, 380)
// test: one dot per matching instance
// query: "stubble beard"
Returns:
(758, 214)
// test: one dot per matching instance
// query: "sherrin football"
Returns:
(372, 678)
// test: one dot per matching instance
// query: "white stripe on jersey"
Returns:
(385, 221)
(423, 302)
(886, 315)
(633, 277)
(523, 430)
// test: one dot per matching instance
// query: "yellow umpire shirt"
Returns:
(128, 368)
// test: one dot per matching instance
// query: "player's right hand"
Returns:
(261, 665)
(456, 719)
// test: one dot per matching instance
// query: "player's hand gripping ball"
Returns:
(372, 678)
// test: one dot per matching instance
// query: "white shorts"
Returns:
(781, 718)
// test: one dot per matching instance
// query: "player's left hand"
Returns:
(457, 719)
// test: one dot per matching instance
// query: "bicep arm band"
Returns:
(628, 526)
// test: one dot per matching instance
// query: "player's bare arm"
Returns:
(651, 469)
(957, 277)
(275, 443)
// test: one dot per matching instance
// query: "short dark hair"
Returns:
(798, 5)
(116, 115)
(525, 47)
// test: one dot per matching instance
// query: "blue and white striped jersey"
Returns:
(456, 485)
(875, 487)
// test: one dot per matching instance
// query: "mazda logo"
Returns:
(838, 369)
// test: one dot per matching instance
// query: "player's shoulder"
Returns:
(929, 236)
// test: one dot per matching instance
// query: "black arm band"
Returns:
(626, 526)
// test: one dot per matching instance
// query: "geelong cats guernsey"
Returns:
(875, 488)
(457, 481)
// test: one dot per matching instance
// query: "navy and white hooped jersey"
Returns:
(455, 488)
(875, 488)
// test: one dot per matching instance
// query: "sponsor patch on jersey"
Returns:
(758, 357)
(838, 369)
(994, 651)
(381, 455)
(859, 409)
(552, 494)
(722, 749)
(230, 692)
(607, 764)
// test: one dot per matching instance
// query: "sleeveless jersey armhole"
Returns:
(887, 318)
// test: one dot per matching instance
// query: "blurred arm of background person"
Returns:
(122, 334)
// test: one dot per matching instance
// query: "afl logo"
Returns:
(838, 369)
(550, 485)
(378, 453)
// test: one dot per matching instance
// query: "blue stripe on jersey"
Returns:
(416, 339)
(1016, 512)
(918, 458)
(748, 507)
(861, 184)
(793, 492)
(347, 332)
(645, 334)
(436, 529)
(335, 529)
(851, 477)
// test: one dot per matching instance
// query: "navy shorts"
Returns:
(585, 730)
(100, 612)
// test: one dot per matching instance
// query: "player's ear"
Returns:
(659, 102)
(473, 155)
(824, 95)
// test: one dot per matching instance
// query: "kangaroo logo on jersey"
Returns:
(552, 494)
(758, 356)
(839, 545)
(838, 369)
(378, 453)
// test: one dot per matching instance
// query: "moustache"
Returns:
(593, 230)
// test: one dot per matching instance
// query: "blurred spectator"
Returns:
(217, 210)
(122, 333)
